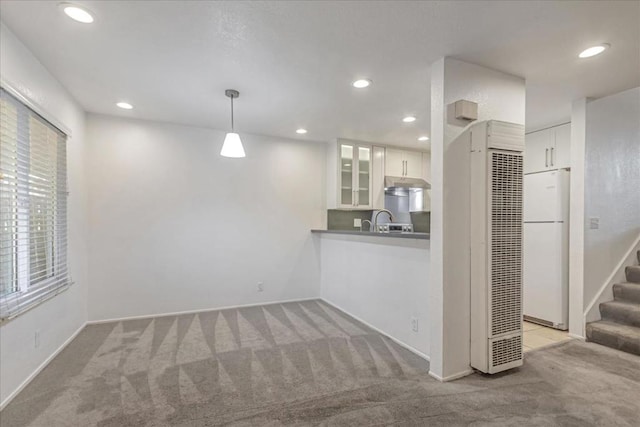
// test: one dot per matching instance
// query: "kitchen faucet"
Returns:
(363, 221)
(375, 219)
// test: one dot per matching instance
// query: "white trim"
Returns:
(397, 341)
(578, 337)
(40, 110)
(615, 275)
(95, 322)
(40, 368)
(451, 377)
(200, 310)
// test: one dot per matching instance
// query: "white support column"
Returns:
(576, 218)
(499, 96)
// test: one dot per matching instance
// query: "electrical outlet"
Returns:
(414, 324)
(260, 286)
(36, 339)
(594, 223)
(357, 222)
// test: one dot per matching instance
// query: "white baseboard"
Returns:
(397, 341)
(39, 369)
(95, 322)
(578, 337)
(451, 377)
(200, 310)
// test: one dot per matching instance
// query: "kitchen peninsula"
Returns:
(380, 278)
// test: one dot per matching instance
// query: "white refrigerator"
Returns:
(546, 248)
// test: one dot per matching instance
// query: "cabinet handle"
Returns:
(546, 157)
(551, 156)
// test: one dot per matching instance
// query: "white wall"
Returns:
(382, 281)
(176, 227)
(60, 317)
(612, 184)
(499, 96)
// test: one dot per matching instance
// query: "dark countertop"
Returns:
(421, 236)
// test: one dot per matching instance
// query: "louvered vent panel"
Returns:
(506, 243)
(506, 350)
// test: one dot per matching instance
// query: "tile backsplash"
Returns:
(421, 222)
(339, 219)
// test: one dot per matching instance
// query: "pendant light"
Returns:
(232, 146)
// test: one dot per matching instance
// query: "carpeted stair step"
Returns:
(629, 292)
(624, 312)
(615, 335)
(633, 273)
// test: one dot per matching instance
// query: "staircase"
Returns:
(620, 324)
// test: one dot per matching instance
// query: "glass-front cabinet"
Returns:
(355, 175)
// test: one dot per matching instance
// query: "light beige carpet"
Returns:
(307, 364)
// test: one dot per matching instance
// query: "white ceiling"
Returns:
(293, 62)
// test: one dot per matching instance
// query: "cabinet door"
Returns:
(364, 176)
(426, 167)
(413, 164)
(537, 150)
(394, 162)
(560, 156)
(377, 171)
(346, 175)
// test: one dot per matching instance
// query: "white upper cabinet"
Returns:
(413, 164)
(536, 151)
(548, 149)
(394, 162)
(356, 171)
(355, 176)
(562, 151)
(403, 163)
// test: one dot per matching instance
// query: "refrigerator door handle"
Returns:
(551, 156)
(546, 157)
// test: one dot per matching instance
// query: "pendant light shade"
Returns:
(232, 146)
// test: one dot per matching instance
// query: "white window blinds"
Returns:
(33, 208)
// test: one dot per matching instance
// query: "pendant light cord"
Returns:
(232, 114)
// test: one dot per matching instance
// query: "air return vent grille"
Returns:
(506, 350)
(506, 243)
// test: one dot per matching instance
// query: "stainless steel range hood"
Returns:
(401, 182)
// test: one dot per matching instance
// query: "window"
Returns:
(33, 208)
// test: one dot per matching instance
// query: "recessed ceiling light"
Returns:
(125, 105)
(423, 138)
(409, 119)
(594, 50)
(362, 83)
(77, 13)
(301, 131)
